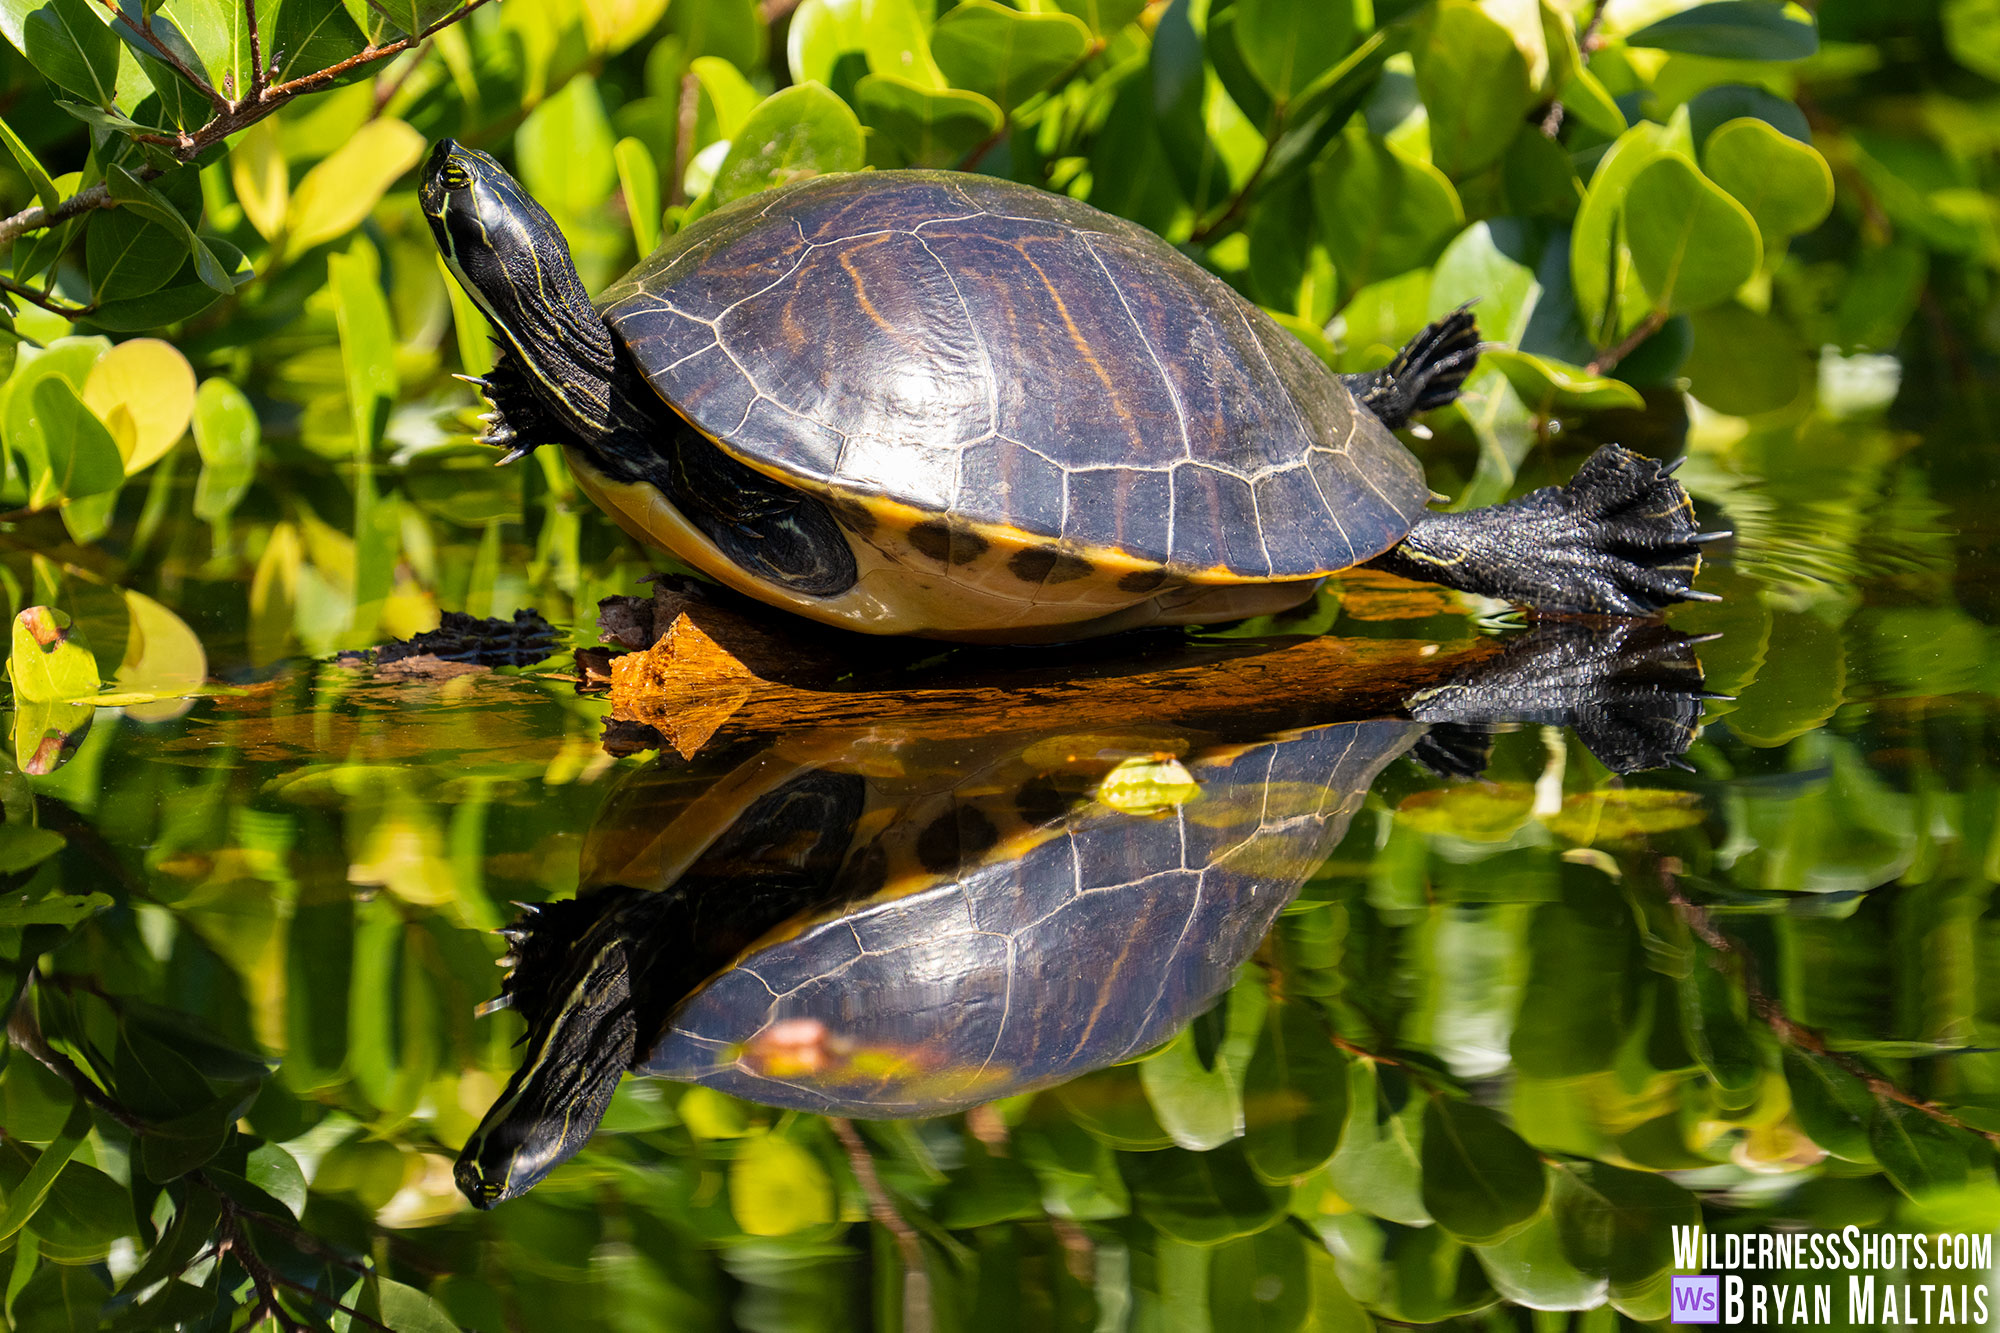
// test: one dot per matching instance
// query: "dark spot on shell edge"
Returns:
(1142, 580)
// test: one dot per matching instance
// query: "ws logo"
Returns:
(1697, 1300)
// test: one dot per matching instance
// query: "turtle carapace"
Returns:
(943, 404)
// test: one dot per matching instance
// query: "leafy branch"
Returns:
(231, 115)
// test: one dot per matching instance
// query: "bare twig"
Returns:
(1629, 344)
(167, 55)
(1593, 38)
(1782, 1025)
(262, 1279)
(44, 300)
(260, 77)
(916, 1278)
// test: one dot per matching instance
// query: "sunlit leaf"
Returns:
(1003, 54)
(262, 182)
(776, 1187)
(336, 194)
(226, 433)
(1692, 244)
(24, 1199)
(1546, 384)
(143, 390)
(1475, 85)
(72, 48)
(48, 662)
(1530, 1268)
(934, 127)
(1786, 185)
(800, 132)
(1376, 1167)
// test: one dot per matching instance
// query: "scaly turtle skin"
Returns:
(886, 922)
(944, 404)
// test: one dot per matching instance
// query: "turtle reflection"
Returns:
(875, 922)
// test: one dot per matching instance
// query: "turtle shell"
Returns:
(991, 362)
(1013, 926)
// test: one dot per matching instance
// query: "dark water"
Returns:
(1210, 989)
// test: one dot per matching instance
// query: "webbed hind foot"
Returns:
(1618, 540)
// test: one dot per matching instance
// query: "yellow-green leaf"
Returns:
(340, 191)
(143, 391)
(776, 1188)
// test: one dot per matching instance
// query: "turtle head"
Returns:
(573, 985)
(512, 260)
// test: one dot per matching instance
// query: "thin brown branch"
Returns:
(262, 1279)
(388, 86)
(44, 300)
(1629, 344)
(26, 1033)
(1593, 39)
(916, 1278)
(260, 77)
(167, 55)
(1782, 1025)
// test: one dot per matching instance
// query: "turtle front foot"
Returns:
(517, 422)
(1618, 540)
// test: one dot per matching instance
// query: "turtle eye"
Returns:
(454, 175)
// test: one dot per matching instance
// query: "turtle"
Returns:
(893, 921)
(950, 405)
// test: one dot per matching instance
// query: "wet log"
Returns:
(703, 662)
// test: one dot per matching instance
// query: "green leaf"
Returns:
(1260, 1283)
(1530, 1268)
(1922, 1156)
(1490, 263)
(1589, 102)
(565, 147)
(1832, 1106)
(1617, 1223)
(67, 43)
(933, 127)
(367, 346)
(135, 194)
(129, 255)
(1294, 1095)
(1289, 43)
(273, 1169)
(1714, 107)
(56, 909)
(45, 188)
(1717, 1033)
(1599, 264)
(62, 1298)
(311, 35)
(1203, 1198)
(1548, 385)
(1380, 212)
(184, 296)
(49, 662)
(730, 95)
(1474, 83)
(1734, 30)
(1376, 1167)
(1744, 362)
(1972, 34)
(776, 1187)
(83, 459)
(83, 1216)
(895, 38)
(1786, 185)
(21, 846)
(799, 132)
(1482, 1182)
(403, 1309)
(47, 733)
(227, 435)
(1692, 245)
(25, 1199)
(1105, 17)
(639, 183)
(344, 187)
(1004, 54)
(169, 1149)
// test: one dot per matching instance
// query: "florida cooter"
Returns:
(919, 402)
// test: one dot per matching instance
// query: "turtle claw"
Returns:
(494, 1006)
(1704, 538)
(515, 454)
(474, 380)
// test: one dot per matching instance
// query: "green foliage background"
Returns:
(231, 438)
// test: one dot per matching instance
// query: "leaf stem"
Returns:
(1611, 356)
(44, 300)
